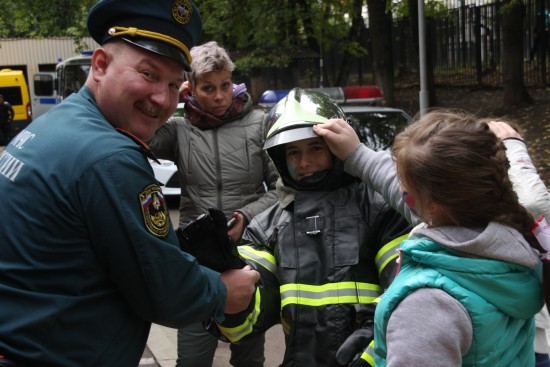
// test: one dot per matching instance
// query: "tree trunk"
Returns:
(357, 25)
(257, 84)
(413, 29)
(432, 92)
(514, 92)
(382, 55)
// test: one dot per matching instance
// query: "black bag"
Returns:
(206, 239)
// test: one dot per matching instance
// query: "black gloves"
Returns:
(349, 353)
(206, 238)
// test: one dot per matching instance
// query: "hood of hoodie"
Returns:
(470, 260)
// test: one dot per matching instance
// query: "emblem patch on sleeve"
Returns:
(155, 211)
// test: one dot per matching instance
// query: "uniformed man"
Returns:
(88, 257)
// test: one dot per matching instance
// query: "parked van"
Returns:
(49, 89)
(43, 93)
(13, 87)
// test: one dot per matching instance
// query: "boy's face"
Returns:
(307, 157)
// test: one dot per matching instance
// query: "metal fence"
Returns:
(465, 46)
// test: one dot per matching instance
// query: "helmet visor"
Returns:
(290, 135)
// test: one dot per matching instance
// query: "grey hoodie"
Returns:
(430, 327)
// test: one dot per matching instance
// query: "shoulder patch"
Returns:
(155, 211)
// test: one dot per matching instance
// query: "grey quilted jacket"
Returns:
(223, 167)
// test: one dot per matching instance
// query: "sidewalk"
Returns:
(163, 345)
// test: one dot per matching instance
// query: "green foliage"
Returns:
(435, 9)
(44, 18)
(270, 33)
(267, 33)
(354, 49)
(509, 6)
(400, 9)
(259, 58)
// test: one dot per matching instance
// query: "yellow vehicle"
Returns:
(13, 87)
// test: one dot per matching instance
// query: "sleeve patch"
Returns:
(155, 211)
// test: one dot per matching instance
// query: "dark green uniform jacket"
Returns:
(88, 257)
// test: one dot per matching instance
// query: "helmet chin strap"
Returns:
(326, 180)
(315, 181)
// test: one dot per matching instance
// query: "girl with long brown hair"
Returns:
(470, 270)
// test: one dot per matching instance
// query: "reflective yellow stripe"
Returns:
(263, 258)
(388, 252)
(329, 294)
(236, 333)
(368, 354)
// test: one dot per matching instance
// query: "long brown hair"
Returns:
(455, 160)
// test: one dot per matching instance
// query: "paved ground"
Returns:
(162, 348)
(148, 360)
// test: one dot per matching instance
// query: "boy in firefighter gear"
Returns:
(326, 251)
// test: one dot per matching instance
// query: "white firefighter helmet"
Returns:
(292, 119)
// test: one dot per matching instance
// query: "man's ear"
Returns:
(100, 61)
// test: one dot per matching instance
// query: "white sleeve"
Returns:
(531, 190)
(429, 328)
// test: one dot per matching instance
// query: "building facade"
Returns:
(34, 55)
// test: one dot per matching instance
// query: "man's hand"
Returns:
(340, 137)
(241, 285)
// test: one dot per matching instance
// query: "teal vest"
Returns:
(499, 339)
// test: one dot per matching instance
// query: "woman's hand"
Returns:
(236, 230)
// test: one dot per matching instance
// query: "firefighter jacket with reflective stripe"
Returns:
(330, 255)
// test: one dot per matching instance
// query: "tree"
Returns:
(45, 18)
(380, 18)
(433, 10)
(262, 34)
(271, 34)
(514, 92)
(354, 49)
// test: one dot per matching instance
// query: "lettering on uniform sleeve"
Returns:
(155, 211)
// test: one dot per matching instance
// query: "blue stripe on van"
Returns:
(47, 101)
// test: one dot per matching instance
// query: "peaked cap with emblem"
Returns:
(166, 27)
